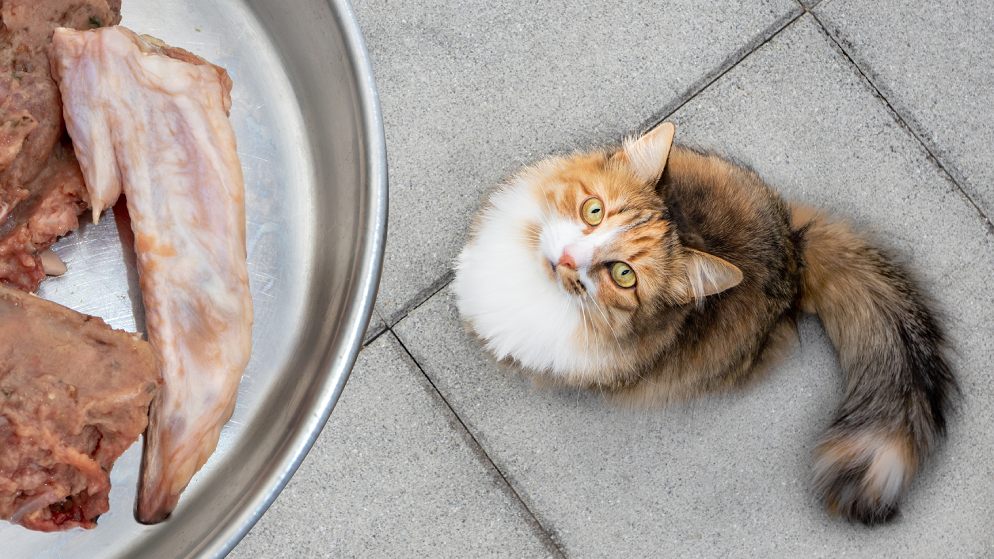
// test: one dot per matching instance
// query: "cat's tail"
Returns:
(898, 386)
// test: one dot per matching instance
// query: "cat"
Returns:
(658, 273)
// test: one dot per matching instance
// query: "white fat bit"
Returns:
(34, 504)
(52, 264)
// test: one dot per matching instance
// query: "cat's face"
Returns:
(570, 258)
(603, 237)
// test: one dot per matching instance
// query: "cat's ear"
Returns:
(707, 274)
(647, 154)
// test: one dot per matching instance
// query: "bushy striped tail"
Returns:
(898, 386)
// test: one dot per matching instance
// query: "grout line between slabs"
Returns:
(550, 542)
(736, 58)
(374, 337)
(693, 91)
(421, 299)
(903, 122)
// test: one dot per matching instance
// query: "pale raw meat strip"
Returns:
(152, 120)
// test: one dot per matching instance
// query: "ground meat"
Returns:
(15, 125)
(58, 196)
(31, 130)
(74, 395)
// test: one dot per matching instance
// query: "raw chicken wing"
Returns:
(151, 120)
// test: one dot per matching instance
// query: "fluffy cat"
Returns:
(659, 273)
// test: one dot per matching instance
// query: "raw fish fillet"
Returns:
(152, 120)
(74, 395)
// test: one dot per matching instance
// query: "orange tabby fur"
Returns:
(723, 265)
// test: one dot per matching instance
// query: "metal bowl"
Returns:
(311, 143)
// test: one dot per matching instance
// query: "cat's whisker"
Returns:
(610, 327)
(586, 324)
(607, 321)
(583, 322)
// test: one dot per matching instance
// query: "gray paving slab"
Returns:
(932, 61)
(729, 476)
(394, 475)
(471, 90)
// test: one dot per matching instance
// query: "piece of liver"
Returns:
(74, 395)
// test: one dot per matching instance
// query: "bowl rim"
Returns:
(369, 268)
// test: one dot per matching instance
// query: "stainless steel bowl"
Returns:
(311, 142)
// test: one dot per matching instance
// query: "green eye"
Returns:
(592, 211)
(622, 274)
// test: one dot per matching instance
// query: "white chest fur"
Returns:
(505, 292)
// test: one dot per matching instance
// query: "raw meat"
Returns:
(152, 120)
(57, 197)
(74, 395)
(35, 169)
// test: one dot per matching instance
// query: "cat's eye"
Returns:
(622, 274)
(592, 211)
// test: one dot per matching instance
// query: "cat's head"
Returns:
(571, 263)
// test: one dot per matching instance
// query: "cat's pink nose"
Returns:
(567, 260)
